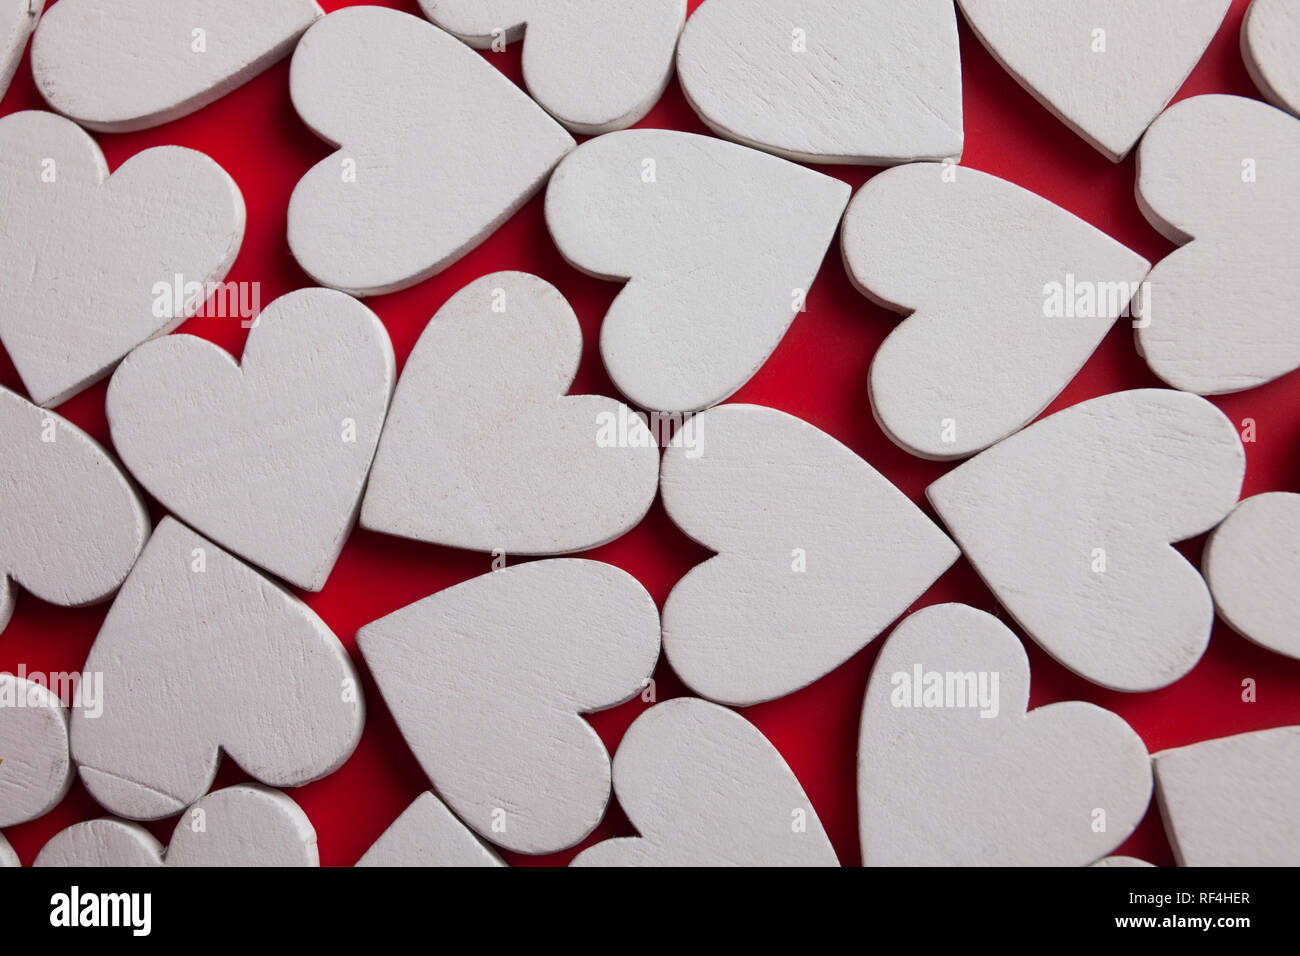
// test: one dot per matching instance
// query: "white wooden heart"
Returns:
(7, 855)
(267, 457)
(200, 656)
(1007, 296)
(720, 245)
(436, 150)
(595, 65)
(428, 834)
(485, 450)
(488, 681)
(239, 826)
(1215, 175)
(952, 771)
(1270, 46)
(704, 787)
(121, 65)
(828, 81)
(88, 261)
(71, 523)
(1105, 68)
(1252, 564)
(816, 554)
(17, 21)
(1232, 801)
(35, 768)
(1070, 523)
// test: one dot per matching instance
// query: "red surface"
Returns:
(819, 373)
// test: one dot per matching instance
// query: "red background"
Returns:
(819, 373)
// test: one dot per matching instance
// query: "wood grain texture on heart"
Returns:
(1216, 175)
(828, 81)
(816, 553)
(488, 681)
(267, 457)
(704, 787)
(35, 766)
(244, 825)
(201, 655)
(7, 855)
(87, 260)
(1270, 47)
(122, 65)
(1232, 801)
(485, 450)
(71, 523)
(17, 21)
(952, 770)
(1071, 524)
(1007, 295)
(436, 149)
(1252, 564)
(595, 65)
(1105, 68)
(719, 245)
(428, 834)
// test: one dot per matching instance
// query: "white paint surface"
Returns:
(485, 450)
(488, 681)
(1070, 522)
(436, 149)
(200, 663)
(719, 244)
(816, 554)
(269, 456)
(952, 770)
(828, 81)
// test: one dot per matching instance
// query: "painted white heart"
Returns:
(130, 64)
(1105, 68)
(1215, 173)
(705, 788)
(595, 65)
(720, 245)
(436, 150)
(7, 855)
(17, 21)
(484, 450)
(72, 524)
(1007, 296)
(952, 770)
(828, 81)
(816, 553)
(35, 768)
(1252, 564)
(488, 681)
(1270, 46)
(268, 458)
(1232, 801)
(1070, 523)
(200, 656)
(238, 826)
(428, 834)
(82, 272)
